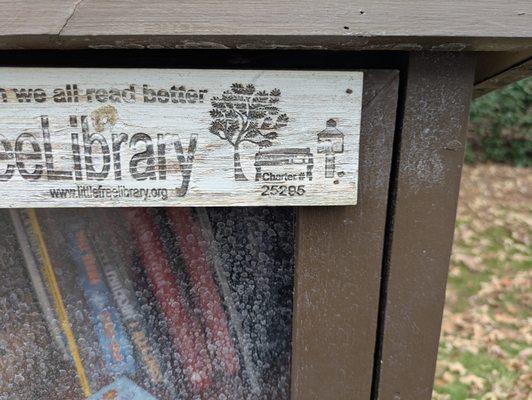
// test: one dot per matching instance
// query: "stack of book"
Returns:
(156, 303)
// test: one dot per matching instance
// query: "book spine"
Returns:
(126, 251)
(52, 223)
(158, 329)
(24, 334)
(116, 347)
(245, 349)
(33, 261)
(204, 288)
(125, 299)
(188, 342)
(62, 315)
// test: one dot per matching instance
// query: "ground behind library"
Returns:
(486, 340)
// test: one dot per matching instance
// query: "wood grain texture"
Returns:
(338, 264)
(420, 232)
(518, 69)
(77, 137)
(497, 69)
(489, 64)
(257, 24)
(35, 17)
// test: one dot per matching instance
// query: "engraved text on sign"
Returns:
(146, 137)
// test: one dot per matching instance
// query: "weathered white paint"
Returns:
(117, 114)
(408, 25)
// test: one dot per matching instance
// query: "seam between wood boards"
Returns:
(388, 229)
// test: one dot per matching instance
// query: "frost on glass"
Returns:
(133, 304)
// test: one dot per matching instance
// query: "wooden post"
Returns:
(338, 263)
(424, 190)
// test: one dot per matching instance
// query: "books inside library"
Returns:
(146, 303)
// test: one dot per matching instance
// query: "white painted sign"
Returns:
(175, 137)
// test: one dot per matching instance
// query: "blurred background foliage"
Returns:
(500, 126)
(486, 340)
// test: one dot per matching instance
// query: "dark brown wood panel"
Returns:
(513, 73)
(489, 64)
(497, 69)
(257, 24)
(425, 192)
(338, 265)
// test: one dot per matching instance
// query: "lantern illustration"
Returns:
(330, 142)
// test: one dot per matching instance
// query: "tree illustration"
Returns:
(243, 114)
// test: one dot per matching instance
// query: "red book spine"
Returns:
(203, 286)
(188, 341)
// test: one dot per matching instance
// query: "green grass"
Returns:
(464, 285)
(512, 348)
(480, 364)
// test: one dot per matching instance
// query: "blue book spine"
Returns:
(116, 347)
